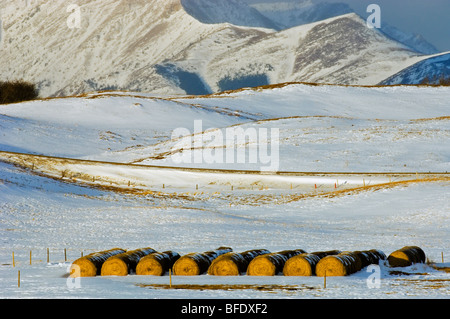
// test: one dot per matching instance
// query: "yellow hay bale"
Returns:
(234, 264)
(305, 264)
(271, 264)
(406, 256)
(194, 264)
(156, 264)
(90, 265)
(342, 264)
(125, 263)
(347, 263)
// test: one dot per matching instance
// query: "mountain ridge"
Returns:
(156, 46)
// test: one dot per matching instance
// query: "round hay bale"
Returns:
(234, 264)
(90, 265)
(348, 262)
(406, 256)
(369, 257)
(343, 264)
(322, 254)
(301, 265)
(305, 264)
(156, 264)
(194, 264)
(271, 264)
(125, 263)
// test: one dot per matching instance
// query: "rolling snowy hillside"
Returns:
(321, 128)
(68, 207)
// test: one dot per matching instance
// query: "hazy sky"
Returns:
(430, 18)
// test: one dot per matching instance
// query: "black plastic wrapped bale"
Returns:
(406, 256)
(194, 264)
(342, 264)
(271, 264)
(369, 257)
(348, 262)
(125, 263)
(233, 263)
(305, 264)
(91, 265)
(157, 264)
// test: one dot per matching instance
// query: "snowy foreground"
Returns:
(75, 207)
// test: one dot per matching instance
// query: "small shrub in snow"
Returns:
(17, 91)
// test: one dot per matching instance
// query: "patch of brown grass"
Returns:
(227, 287)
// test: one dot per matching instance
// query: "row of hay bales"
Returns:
(224, 262)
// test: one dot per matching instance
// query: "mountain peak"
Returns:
(234, 12)
(156, 46)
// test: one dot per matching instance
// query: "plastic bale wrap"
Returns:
(125, 263)
(195, 264)
(157, 264)
(91, 265)
(271, 264)
(406, 256)
(342, 264)
(233, 263)
(305, 264)
(347, 263)
(369, 257)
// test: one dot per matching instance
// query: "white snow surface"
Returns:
(322, 129)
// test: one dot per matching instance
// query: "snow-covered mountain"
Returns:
(414, 41)
(340, 50)
(290, 13)
(117, 44)
(157, 46)
(287, 14)
(430, 70)
(230, 11)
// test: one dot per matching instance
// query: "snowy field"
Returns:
(94, 206)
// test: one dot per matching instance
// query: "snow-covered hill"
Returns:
(324, 127)
(321, 128)
(156, 46)
(430, 70)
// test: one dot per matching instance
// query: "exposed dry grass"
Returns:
(377, 187)
(284, 84)
(226, 287)
(441, 118)
(33, 163)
